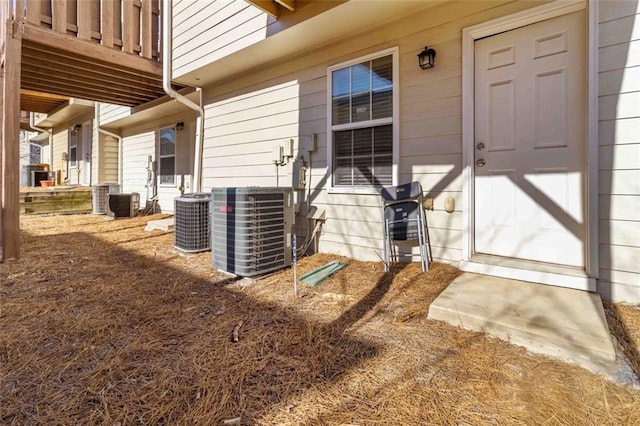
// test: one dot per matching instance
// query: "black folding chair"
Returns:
(404, 220)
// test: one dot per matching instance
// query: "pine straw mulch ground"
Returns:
(104, 323)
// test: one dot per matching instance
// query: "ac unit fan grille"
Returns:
(249, 230)
(192, 228)
(100, 197)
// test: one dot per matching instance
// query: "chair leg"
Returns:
(386, 247)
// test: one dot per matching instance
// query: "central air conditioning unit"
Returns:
(100, 196)
(191, 229)
(123, 205)
(251, 229)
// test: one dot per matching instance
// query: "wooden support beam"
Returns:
(10, 151)
(287, 4)
(24, 92)
(88, 49)
(38, 57)
(267, 6)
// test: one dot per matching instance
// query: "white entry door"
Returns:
(530, 142)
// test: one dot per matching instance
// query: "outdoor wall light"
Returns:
(179, 126)
(427, 58)
(76, 128)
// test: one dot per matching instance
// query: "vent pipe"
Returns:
(167, 71)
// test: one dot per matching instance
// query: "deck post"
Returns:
(10, 150)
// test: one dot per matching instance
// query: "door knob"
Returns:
(480, 162)
(480, 146)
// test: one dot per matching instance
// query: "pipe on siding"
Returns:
(113, 135)
(167, 71)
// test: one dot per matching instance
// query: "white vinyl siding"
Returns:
(110, 112)
(60, 146)
(141, 143)
(205, 31)
(619, 150)
(108, 160)
(247, 117)
(136, 151)
(241, 133)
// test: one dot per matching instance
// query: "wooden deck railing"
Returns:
(132, 26)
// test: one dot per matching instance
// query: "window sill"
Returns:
(353, 190)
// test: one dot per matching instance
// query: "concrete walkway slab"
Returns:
(556, 321)
(160, 225)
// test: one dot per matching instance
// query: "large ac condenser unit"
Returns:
(100, 197)
(192, 231)
(251, 229)
(124, 205)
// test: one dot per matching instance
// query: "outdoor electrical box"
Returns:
(298, 175)
(277, 157)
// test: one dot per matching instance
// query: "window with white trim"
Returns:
(362, 122)
(167, 156)
(73, 146)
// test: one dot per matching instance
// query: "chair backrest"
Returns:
(406, 191)
(402, 220)
(401, 206)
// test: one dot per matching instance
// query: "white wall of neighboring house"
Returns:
(141, 144)
(619, 149)
(107, 161)
(60, 143)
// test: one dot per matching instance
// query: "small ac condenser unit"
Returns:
(191, 230)
(124, 205)
(100, 196)
(251, 229)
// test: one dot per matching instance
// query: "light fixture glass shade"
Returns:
(427, 58)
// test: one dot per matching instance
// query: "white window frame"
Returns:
(394, 52)
(160, 157)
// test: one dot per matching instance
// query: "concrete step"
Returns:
(556, 321)
(164, 225)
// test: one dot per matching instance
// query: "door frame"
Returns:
(586, 280)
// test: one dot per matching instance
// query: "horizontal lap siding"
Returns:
(619, 150)
(60, 145)
(135, 151)
(108, 160)
(110, 112)
(246, 118)
(204, 31)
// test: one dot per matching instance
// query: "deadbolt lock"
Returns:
(480, 146)
(480, 162)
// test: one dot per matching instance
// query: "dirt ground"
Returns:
(104, 323)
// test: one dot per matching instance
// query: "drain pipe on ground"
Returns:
(167, 71)
(113, 135)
